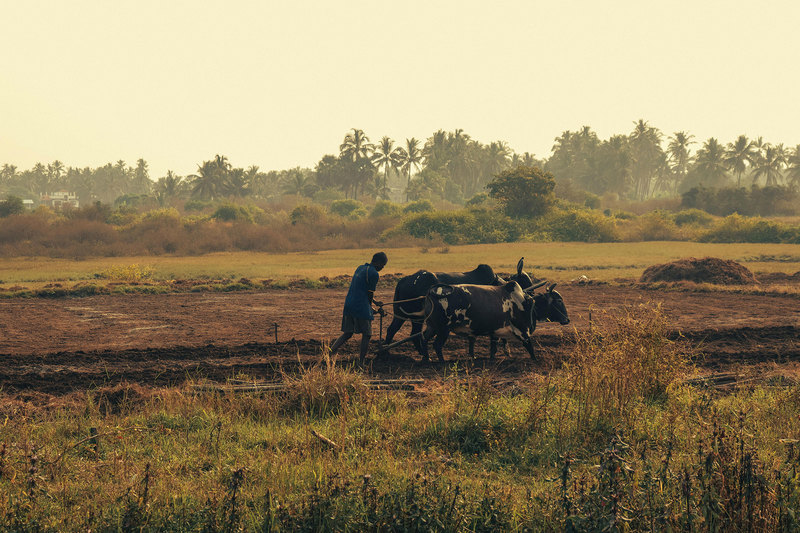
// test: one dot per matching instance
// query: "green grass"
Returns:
(471, 458)
(553, 453)
(558, 261)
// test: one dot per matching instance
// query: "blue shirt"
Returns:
(357, 304)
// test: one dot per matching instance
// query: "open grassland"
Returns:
(559, 261)
(614, 440)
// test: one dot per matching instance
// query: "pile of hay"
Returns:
(706, 270)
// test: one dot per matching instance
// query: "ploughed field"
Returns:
(60, 346)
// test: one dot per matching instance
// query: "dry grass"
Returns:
(624, 356)
(557, 261)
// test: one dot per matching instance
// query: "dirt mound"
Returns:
(706, 270)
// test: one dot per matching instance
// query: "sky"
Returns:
(279, 84)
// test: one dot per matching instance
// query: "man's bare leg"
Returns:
(364, 346)
(338, 342)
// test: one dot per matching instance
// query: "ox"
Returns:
(495, 311)
(411, 290)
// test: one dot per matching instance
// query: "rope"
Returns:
(403, 301)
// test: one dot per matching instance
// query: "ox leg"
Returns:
(416, 327)
(528, 343)
(505, 347)
(492, 346)
(393, 328)
(471, 342)
(423, 343)
(438, 344)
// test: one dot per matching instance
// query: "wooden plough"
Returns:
(251, 386)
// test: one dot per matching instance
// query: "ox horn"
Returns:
(536, 286)
(551, 287)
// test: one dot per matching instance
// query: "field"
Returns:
(478, 445)
(559, 261)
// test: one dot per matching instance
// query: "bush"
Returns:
(655, 226)
(12, 205)
(695, 217)
(478, 200)
(736, 228)
(128, 273)
(350, 208)
(234, 212)
(419, 206)
(384, 208)
(306, 214)
(326, 196)
(475, 226)
(525, 192)
(579, 225)
(764, 201)
(197, 205)
(97, 212)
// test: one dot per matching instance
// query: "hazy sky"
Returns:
(278, 84)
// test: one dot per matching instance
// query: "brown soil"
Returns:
(706, 270)
(53, 347)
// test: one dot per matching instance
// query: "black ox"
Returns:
(411, 291)
(504, 311)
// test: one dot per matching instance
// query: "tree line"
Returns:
(448, 165)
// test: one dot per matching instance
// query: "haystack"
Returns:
(705, 270)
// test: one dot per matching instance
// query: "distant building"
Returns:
(59, 200)
(29, 204)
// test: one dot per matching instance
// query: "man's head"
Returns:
(379, 261)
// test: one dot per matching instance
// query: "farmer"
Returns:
(357, 314)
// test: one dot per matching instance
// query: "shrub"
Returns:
(306, 214)
(478, 200)
(465, 226)
(524, 191)
(384, 208)
(197, 205)
(736, 228)
(692, 217)
(654, 226)
(230, 212)
(97, 212)
(419, 206)
(128, 273)
(326, 196)
(579, 225)
(348, 208)
(12, 205)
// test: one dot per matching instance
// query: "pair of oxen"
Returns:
(473, 304)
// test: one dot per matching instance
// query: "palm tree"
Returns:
(793, 167)
(39, 181)
(55, 172)
(710, 162)
(7, 174)
(410, 158)
(678, 153)
(386, 156)
(168, 187)
(770, 164)
(82, 182)
(739, 154)
(497, 154)
(209, 182)
(436, 152)
(647, 157)
(141, 178)
(295, 181)
(356, 146)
